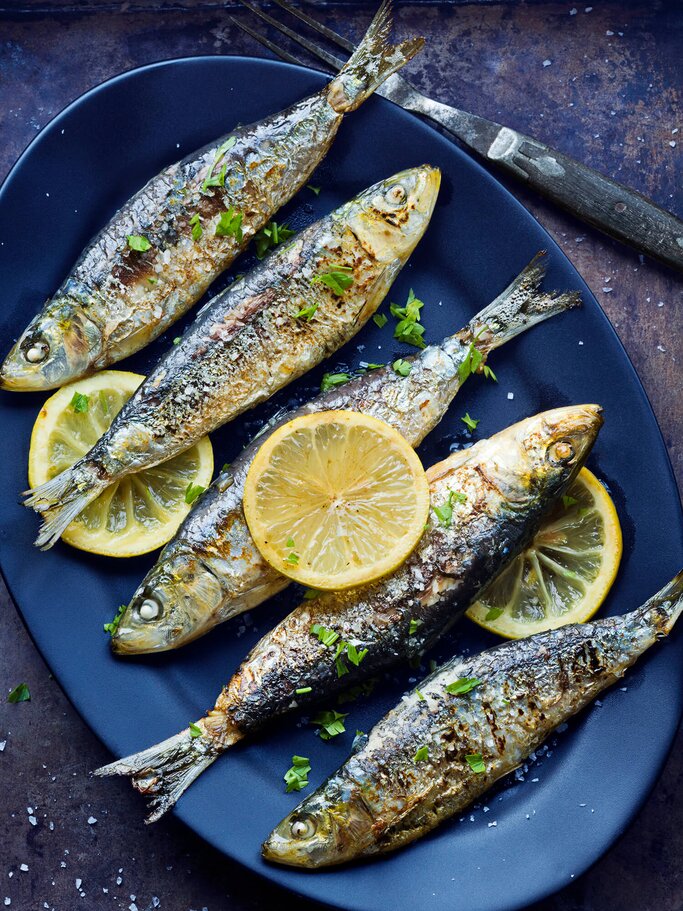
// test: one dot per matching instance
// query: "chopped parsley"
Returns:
(316, 190)
(218, 180)
(79, 402)
(270, 236)
(306, 312)
(422, 754)
(414, 624)
(311, 594)
(568, 501)
(326, 636)
(296, 778)
(366, 365)
(475, 762)
(331, 723)
(444, 513)
(290, 542)
(192, 492)
(489, 374)
(472, 360)
(137, 242)
(226, 467)
(420, 695)
(330, 380)
(177, 340)
(20, 693)
(195, 730)
(114, 625)
(302, 690)
(292, 558)
(469, 422)
(462, 685)
(408, 328)
(402, 367)
(493, 613)
(338, 279)
(196, 226)
(355, 656)
(379, 319)
(152, 281)
(229, 224)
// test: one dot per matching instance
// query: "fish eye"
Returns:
(396, 195)
(149, 610)
(303, 827)
(561, 452)
(37, 351)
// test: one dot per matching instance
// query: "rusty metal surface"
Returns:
(602, 83)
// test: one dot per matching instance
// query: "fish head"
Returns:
(176, 602)
(390, 217)
(329, 827)
(538, 457)
(58, 346)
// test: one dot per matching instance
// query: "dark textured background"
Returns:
(611, 96)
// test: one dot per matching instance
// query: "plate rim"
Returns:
(626, 819)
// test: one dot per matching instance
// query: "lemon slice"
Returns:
(564, 576)
(336, 499)
(132, 516)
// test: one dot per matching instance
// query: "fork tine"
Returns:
(278, 51)
(323, 30)
(312, 48)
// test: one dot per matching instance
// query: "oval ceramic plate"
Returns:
(578, 795)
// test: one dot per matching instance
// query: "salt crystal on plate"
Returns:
(547, 62)
(91, 820)
(24, 868)
(511, 396)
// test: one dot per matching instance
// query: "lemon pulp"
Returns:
(136, 514)
(566, 573)
(336, 499)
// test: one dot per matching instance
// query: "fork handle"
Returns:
(613, 208)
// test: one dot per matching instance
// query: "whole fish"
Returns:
(162, 250)
(301, 304)
(439, 750)
(497, 493)
(212, 570)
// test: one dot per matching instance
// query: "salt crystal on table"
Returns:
(3, 744)
(24, 868)
(91, 820)
(547, 62)
(33, 820)
(511, 396)
(493, 824)
(672, 143)
(78, 883)
(8, 901)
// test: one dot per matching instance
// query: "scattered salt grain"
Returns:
(78, 883)
(511, 396)
(24, 868)
(493, 824)
(8, 901)
(547, 63)
(119, 880)
(33, 820)
(3, 744)
(572, 12)
(582, 804)
(91, 820)
(661, 348)
(607, 290)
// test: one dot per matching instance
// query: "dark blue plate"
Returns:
(580, 794)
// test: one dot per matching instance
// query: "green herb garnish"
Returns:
(229, 224)
(420, 695)
(290, 542)
(306, 312)
(402, 367)
(338, 279)
(302, 690)
(355, 656)
(475, 762)
(422, 754)
(296, 778)
(195, 730)
(326, 636)
(79, 402)
(196, 226)
(219, 180)
(152, 281)
(310, 594)
(313, 189)
(114, 625)
(177, 340)
(408, 328)
(469, 422)
(472, 360)
(493, 613)
(489, 374)
(192, 492)
(330, 380)
(331, 724)
(379, 319)
(414, 624)
(462, 685)
(270, 236)
(137, 242)
(20, 693)
(293, 559)
(444, 513)
(568, 501)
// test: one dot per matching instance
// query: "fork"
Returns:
(607, 205)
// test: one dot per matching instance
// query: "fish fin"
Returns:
(373, 61)
(519, 307)
(61, 499)
(164, 771)
(662, 610)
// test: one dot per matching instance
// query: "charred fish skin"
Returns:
(382, 798)
(212, 571)
(117, 299)
(264, 331)
(505, 484)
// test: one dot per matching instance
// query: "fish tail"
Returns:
(60, 500)
(373, 61)
(519, 307)
(663, 609)
(164, 771)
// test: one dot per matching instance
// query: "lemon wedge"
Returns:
(142, 511)
(566, 573)
(336, 499)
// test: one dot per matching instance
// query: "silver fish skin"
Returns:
(264, 331)
(212, 570)
(382, 798)
(117, 299)
(507, 483)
